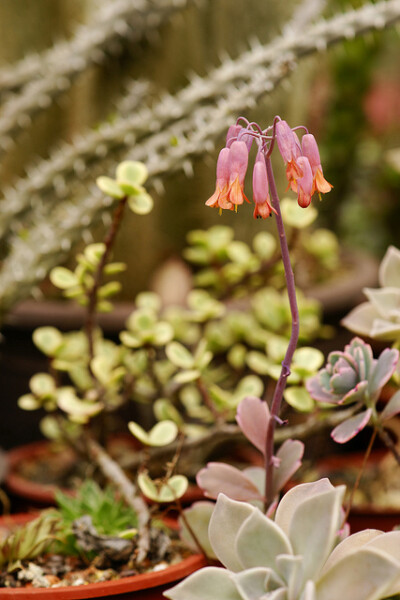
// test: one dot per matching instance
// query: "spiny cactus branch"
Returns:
(52, 73)
(236, 85)
(50, 238)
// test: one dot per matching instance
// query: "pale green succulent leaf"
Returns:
(179, 355)
(259, 541)
(209, 583)
(299, 398)
(28, 402)
(264, 244)
(94, 252)
(162, 434)
(164, 410)
(225, 523)
(63, 278)
(295, 216)
(110, 187)
(187, 376)
(141, 204)
(48, 340)
(77, 409)
(308, 359)
(132, 171)
(389, 270)
(168, 491)
(42, 384)
(367, 574)
(198, 517)
(360, 320)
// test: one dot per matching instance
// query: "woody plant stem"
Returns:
(285, 372)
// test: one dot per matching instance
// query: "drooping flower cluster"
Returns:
(303, 167)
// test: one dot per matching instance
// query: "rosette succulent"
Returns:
(379, 318)
(303, 554)
(354, 375)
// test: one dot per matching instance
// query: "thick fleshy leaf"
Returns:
(63, 278)
(253, 417)
(252, 583)
(385, 300)
(392, 408)
(179, 355)
(48, 339)
(78, 410)
(218, 478)
(385, 330)
(308, 360)
(314, 527)
(389, 270)
(317, 391)
(291, 570)
(110, 187)
(384, 369)
(343, 381)
(289, 455)
(264, 244)
(296, 495)
(259, 541)
(309, 591)
(350, 427)
(141, 204)
(198, 517)
(226, 520)
(360, 320)
(132, 171)
(42, 384)
(294, 216)
(350, 545)
(161, 434)
(169, 491)
(365, 575)
(28, 402)
(299, 398)
(207, 584)
(356, 394)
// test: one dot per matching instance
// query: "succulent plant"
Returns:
(301, 554)
(354, 375)
(379, 318)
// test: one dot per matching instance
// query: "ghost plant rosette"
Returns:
(355, 376)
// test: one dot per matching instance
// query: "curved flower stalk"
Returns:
(300, 555)
(379, 318)
(354, 375)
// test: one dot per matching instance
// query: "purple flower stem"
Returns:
(285, 372)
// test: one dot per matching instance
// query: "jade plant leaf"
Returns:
(299, 398)
(110, 187)
(168, 491)
(161, 434)
(179, 355)
(48, 340)
(131, 171)
(78, 410)
(264, 245)
(141, 204)
(294, 216)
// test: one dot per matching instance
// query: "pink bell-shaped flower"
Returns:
(261, 197)
(310, 150)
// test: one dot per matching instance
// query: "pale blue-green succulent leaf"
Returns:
(384, 300)
(383, 370)
(198, 517)
(313, 542)
(211, 583)
(360, 320)
(389, 270)
(162, 434)
(385, 330)
(392, 408)
(253, 583)
(226, 520)
(349, 545)
(110, 187)
(259, 541)
(290, 568)
(309, 592)
(351, 427)
(368, 574)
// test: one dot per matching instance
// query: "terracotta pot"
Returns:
(43, 494)
(147, 586)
